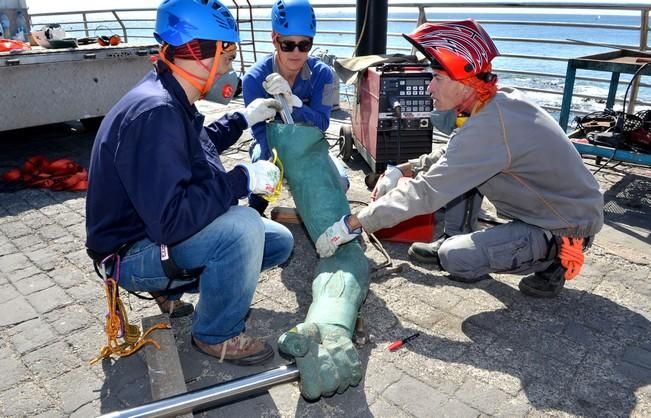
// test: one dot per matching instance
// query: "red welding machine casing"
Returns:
(417, 229)
(391, 120)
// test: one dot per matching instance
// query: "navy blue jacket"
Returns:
(155, 171)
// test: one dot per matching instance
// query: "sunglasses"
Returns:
(288, 46)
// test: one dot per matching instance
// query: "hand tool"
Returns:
(399, 343)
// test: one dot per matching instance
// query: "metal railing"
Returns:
(534, 63)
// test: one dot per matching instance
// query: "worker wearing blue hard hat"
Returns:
(161, 205)
(308, 84)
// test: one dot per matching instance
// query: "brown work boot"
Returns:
(241, 350)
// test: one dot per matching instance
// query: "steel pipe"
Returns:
(286, 112)
(212, 395)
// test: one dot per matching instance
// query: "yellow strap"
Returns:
(116, 320)
(276, 194)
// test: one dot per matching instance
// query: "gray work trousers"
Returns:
(514, 247)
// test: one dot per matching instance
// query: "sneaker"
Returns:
(427, 252)
(544, 284)
(241, 350)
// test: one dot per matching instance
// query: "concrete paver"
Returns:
(484, 350)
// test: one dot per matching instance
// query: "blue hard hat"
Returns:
(293, 18)
(180, 21)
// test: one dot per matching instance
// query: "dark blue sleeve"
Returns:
(319, 104)
(252, 89)
(165, 174)
(225, 131)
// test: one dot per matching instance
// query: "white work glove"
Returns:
(260, 110)
(388, 181)
(337, 234)
(275, 84)
(263, 176)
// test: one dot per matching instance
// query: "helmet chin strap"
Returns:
(212, 74)
(192, 78)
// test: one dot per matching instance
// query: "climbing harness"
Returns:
(117, 323)
(276, 194)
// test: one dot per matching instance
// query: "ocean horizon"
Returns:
(336, 37)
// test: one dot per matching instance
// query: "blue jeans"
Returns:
(234, 248)
(256, 153)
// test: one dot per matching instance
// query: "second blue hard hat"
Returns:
(293, 18)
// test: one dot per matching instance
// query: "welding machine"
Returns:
(391, 118)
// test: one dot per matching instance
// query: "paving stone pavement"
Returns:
(483, 350)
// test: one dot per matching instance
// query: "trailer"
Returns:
(43, 86)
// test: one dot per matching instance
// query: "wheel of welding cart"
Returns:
(345, 142)
(371, 180)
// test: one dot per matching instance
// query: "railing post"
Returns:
(644, 35)
(422, 16)
(83, 15)
(124, 29)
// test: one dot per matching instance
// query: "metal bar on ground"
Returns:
(211, 396)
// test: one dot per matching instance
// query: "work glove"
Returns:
(388, 181)
(275, 84)
(263, 176)
(260, 110)
(337, 234)
(326, 358)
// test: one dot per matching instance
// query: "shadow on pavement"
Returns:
(579, 353)
(627, 206)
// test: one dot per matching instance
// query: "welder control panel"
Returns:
(403, 96)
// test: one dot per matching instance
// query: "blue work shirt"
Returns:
(155, 172)
(314, 85)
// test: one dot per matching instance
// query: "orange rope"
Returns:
(116, 321)
(571, 255)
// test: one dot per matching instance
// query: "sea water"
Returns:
(543, 50)
(336, 37)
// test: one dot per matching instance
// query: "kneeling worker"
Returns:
(509, 150)
(158, 187)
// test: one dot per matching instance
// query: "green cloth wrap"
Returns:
(325, 355)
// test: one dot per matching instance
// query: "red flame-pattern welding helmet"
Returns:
(463, 49)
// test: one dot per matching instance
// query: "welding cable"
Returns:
(388, 263)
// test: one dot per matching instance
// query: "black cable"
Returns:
(388, 263)
(619, 123)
